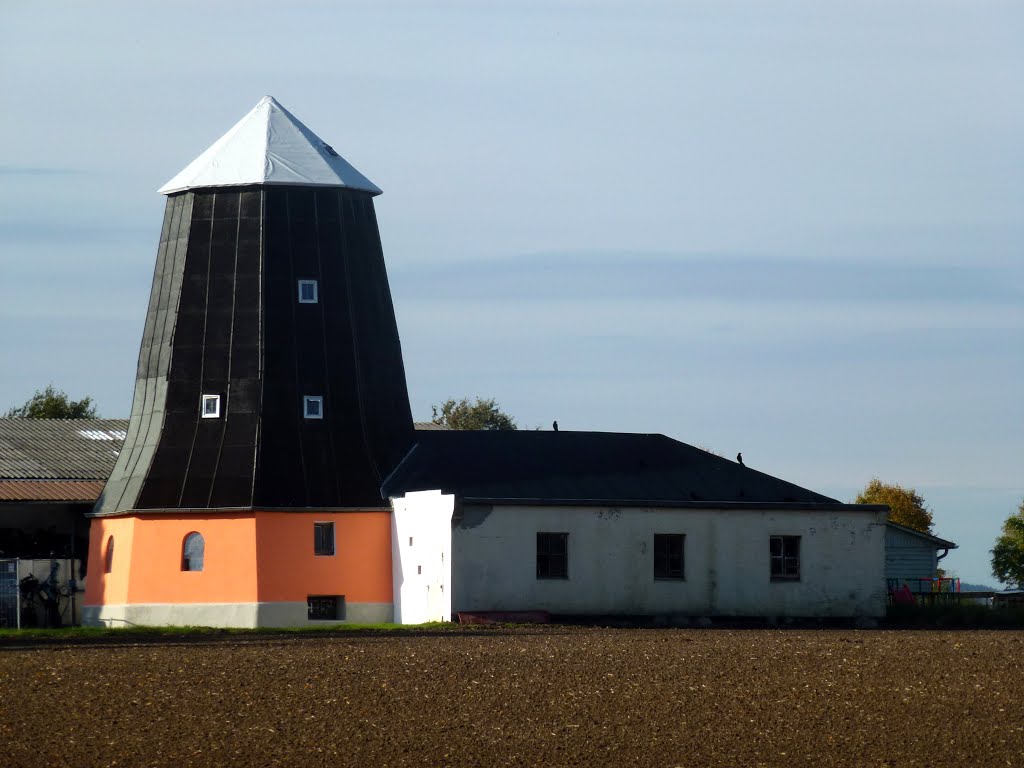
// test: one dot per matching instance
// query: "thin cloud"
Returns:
(38, 170)
(726, 277)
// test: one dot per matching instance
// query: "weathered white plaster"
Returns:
(239, 615)
(727, 561)
(422, 571)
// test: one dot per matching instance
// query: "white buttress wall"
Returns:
(727, 562)
(421, 557)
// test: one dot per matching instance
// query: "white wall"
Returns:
(422, 570)
(727, 564)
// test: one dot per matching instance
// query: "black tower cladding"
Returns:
(270, 374)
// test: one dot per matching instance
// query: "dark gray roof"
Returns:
(585, 467)
(59, 449)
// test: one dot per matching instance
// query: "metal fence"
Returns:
(10, 597)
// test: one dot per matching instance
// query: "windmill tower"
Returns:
(270, 398)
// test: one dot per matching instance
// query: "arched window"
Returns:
(108, 555)
(192, 552)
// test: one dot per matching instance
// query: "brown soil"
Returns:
(530, 696)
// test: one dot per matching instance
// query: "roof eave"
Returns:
(939, 543)
(166, 190)
(807, 506)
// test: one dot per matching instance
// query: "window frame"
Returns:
(319, 400)
(187, 561)
(316, 291)
(663, 559)
(552, 561)
(320, 542)
(204, 399)
(786, 565)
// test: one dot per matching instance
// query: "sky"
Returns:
(791, 229)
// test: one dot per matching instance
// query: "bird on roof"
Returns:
(554, 425)
(739, 458)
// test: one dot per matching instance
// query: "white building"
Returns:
(585, 523)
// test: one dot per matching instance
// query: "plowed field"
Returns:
(535, 696)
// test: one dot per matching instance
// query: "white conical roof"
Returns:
(269, 146)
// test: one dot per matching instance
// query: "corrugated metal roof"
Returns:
(50, 490)
(59, 449)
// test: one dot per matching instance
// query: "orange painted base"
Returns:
(249, 557)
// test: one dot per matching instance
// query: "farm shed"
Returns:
(912, 557)
(51, 473)
(591, 523)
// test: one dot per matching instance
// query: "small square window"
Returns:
(785, 558)
(307, 292)
(323, 539)
(211, 407)
(313, 407)
(668, 556)
(552, 555)
(325, 607)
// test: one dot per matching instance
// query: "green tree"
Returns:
(52, 403)
(906, 506)
(483, 414)
(1008, 553)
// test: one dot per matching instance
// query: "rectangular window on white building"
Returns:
(785, 558)
(552, 555)
(668, 556)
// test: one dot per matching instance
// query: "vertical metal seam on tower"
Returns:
(260, 343)
(334, 463)
(202, 359)
(295, 407)
(225, 411)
